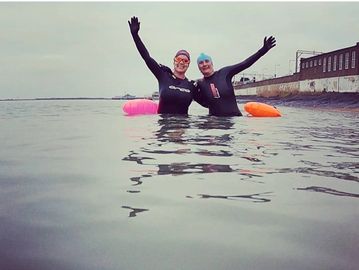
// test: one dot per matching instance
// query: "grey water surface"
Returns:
(82, 186)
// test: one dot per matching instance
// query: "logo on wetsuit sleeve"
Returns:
(215, 92)
(179, 88)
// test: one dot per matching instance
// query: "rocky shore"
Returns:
(340, 101)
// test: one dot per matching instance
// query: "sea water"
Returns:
(82, 186)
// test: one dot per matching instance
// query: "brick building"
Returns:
(342, 62)
(335, 71)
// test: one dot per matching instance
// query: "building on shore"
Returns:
(125, 97)
(335, 71)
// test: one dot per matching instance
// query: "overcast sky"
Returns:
(86, 50)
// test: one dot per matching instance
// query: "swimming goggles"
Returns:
(179, 60)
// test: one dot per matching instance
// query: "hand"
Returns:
(269, 43)
(134, 25)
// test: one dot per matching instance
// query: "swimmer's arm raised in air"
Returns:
(267, 45)
(134, 25)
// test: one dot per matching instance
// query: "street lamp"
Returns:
(275, 70)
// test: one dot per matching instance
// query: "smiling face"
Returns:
(206, 67)
(181, 64)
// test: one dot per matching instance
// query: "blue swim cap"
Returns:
(203, 57)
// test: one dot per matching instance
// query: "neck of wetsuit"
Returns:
(209, 75)
(179, 75)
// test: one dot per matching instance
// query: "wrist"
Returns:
(263, 50)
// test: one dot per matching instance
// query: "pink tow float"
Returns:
(147, 106)
(140, 106)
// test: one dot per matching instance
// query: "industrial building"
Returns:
(335, 71)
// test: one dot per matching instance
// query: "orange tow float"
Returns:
(258, 109)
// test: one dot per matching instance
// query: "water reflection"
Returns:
(134, 211)
(258, 197)
(214, 122)
(172, 128)
(197, 145)
(327, 137)
(214, 125)
(180, 135)
(137, 159)
(204, 168)
(335, 146)
(318, 172)
(191, 131)
(329, 191)
(186, 167)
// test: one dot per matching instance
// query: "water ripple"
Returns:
(258, 197)
(134, 211)
(329, 191)
(313, 171)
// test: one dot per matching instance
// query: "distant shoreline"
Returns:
(322, 100)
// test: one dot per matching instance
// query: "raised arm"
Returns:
(267, 45)
(134, 25)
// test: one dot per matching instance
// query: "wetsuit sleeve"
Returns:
(197, 95)
(200, 100)
(235, 69)
(150, 62)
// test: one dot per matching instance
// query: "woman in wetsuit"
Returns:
(216, 88)
(176, 91)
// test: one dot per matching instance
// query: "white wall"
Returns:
(344, 84)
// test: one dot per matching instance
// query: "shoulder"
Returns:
(197, 82)
(193, 82)
(222, 70)
(197, 85)
(165, 68)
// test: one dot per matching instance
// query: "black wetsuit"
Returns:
(217, 90)
(175, 94)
